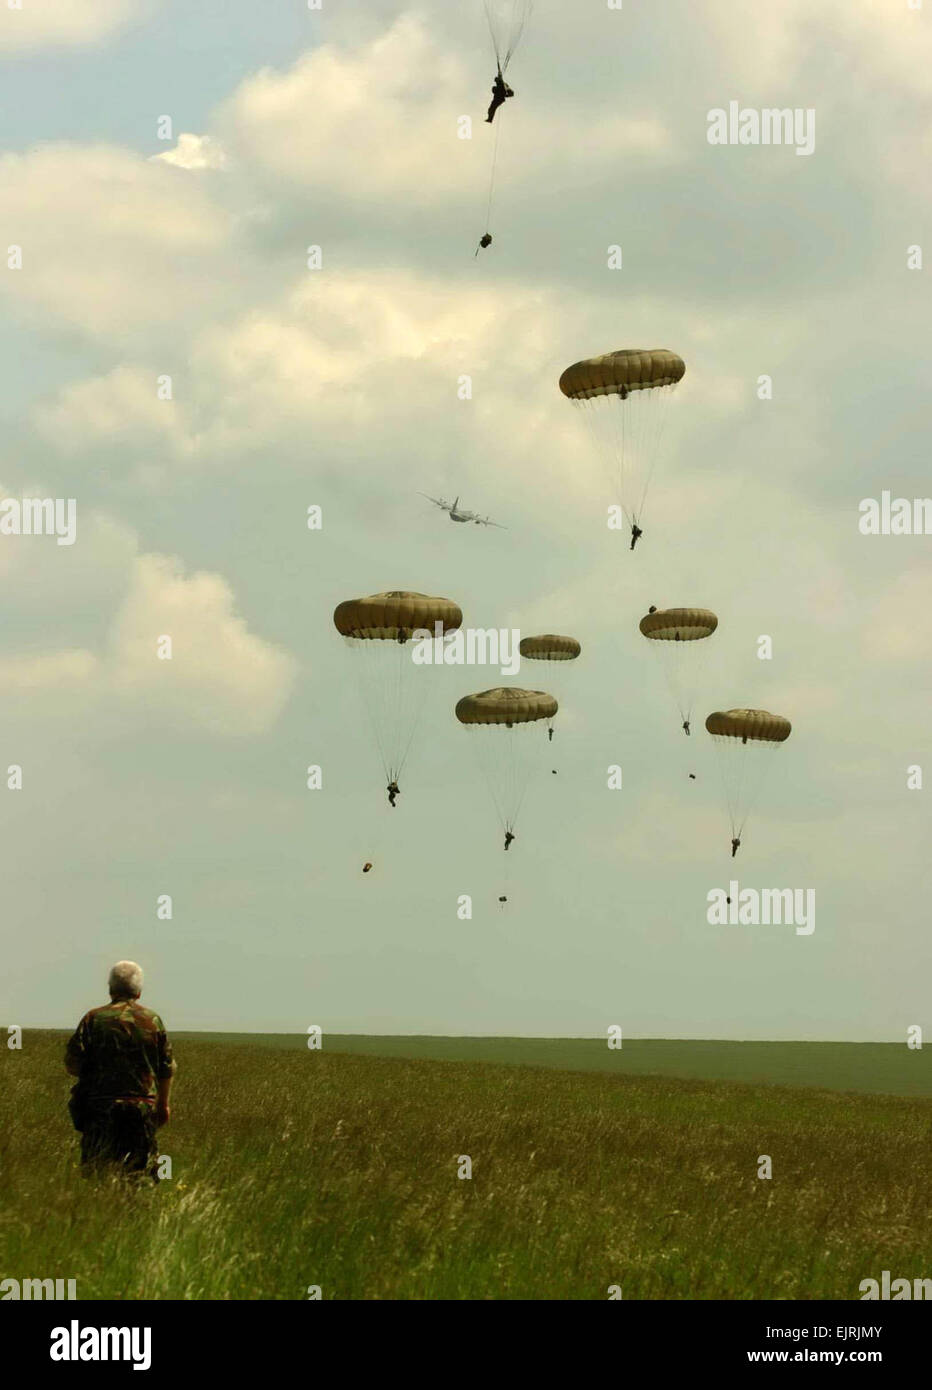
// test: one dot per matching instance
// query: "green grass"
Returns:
(885, 1068)
(293, 1167)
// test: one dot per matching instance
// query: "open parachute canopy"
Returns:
(549, 647)
(394, 616)
(619, 373)
(507, 20)
(506, 704)
(673, 634)
(501, 722)
(744, 724)
(378, 629)
(741, 738)
(624, 396)
(678, 624)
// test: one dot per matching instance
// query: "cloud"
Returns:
(222, 677)
(886, 43)
(112, 243)
(382, 121)
(195, 152)
(72, 23)
(121, 410)
(376, 348)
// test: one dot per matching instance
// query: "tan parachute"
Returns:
(550, 646)
(624, 397)
(506, 704)
(379, 630)
(503, 724)
(758, 725)
(394, 616)
(674, 634)
(742, 738)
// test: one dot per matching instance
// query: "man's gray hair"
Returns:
(125, 979)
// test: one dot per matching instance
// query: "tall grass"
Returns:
(292, 1169)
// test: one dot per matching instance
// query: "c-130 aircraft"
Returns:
(457, 513)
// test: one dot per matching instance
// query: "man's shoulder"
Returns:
(101, 1011)
(117, 1009)
(148, 1017)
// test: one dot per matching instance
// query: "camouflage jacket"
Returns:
(120, 1051)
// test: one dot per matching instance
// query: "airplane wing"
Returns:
(437, 501)
(484, 521)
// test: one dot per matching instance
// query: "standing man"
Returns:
(122, 1058)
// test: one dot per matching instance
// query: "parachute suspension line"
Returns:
(393, 698)
(684, 680)
(508, 17)
(742, 781)
(492, 34)
(658, 408)
(641, 426)
(505, 770)
(411, 693)
(370, 700)
(628, 432)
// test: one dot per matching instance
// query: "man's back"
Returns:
(121, 1052)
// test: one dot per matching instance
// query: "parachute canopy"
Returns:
(678, 624)
(741, 738)
(394, 616)
(549, 647)
(507, 21)
(501, 724)
(673, 634)
(624, 397)
(378, 629)
(506, 704)
(744, 724)
(618, 373)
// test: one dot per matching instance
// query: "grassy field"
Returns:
(884, 1068)
(293, 1168)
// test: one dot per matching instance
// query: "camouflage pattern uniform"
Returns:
(120, 1052)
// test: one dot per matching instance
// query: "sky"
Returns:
(187, 257)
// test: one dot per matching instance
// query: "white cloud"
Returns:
(772, 44)
(111, 242)
(222, 677)
(121, 409)
(195, 152)
(380, 121)
(40, 23)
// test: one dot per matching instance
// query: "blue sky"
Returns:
(338, 387)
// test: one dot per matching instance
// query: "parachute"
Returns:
(549, 647)
(673, 634)
(507, 21)
(379, 629)
(502, 723)
(624, 397)
(742, 738)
